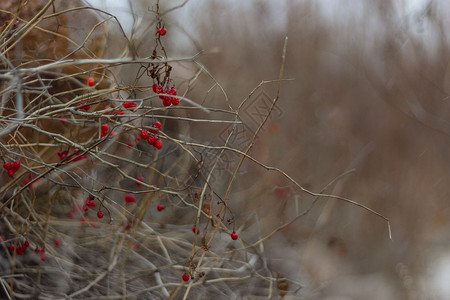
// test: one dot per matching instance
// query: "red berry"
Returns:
(141, 179)
(15, 166)
(162, 31)
(10, 173)
(234, 236)
(62, 154)
(160, 207)
(43, 257)
(158, 144)
(91, 81)
(172, 92)
(84, 106)
(130, 198)
(157, 89)
(12, 248)
(7, 166)
(26, 244)
(144, 134)
(194, 229)
(91, 203)
(130, 104)
(19, 251)
(105, 128)
(186, 277)
(175, 101)
(57, 243)
(157, 125)
(151, 140)
(137, 139)
(99, 214)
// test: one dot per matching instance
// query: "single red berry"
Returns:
(186, 277)
(12, 248)
(234, 236)
(42, 250)
(99, 214)
(19, 251)
(162, 31)
(160, 207)
(43, 257)
(7, 166)
(159, 89)
(91, 81)
(144, 134)
(11, 173)
(105, 128)
(175, 101)
(26, 244)
(157, 125)
(140, 179)
(130, 198)
(36, 250)
(137, 139)
(57, 243)
(158, 144)
(194, 229)
(85, 208)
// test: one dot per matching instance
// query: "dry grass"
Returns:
(304, 163)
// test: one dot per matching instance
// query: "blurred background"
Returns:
(370, 93)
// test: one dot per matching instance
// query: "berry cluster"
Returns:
(166, 95)
(12, 168)
(21, 249)
(89, 203)
(41, 252)
(151, 135)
